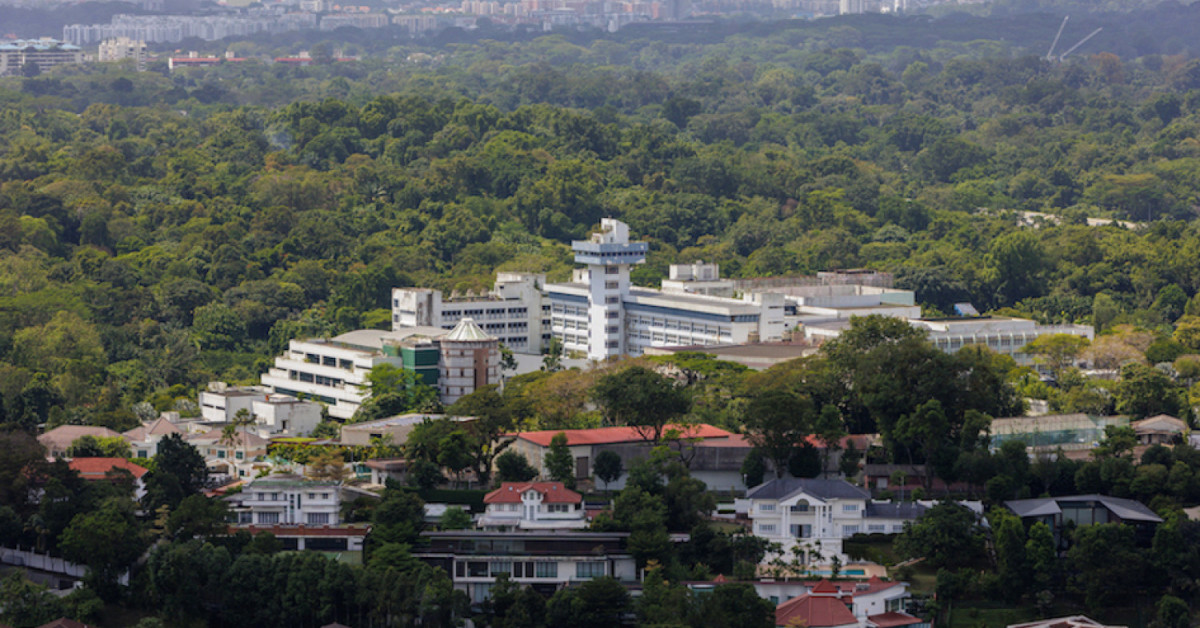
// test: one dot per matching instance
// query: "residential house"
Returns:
(290, 500)
(98, 470)
(874, 603)
(533, 506)
(809, 518)
(1081, 510)
(384, 469)
(1161, 429)
(395, 428)
(144, 439)
(545, 561)
(234, 455)
(59, 439)
(586, 443)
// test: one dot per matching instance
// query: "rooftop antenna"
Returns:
(1050, 54)
(1081, 42)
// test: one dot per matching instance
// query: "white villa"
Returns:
(533, 506)
(810, 518)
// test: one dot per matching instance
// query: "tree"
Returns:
(1105, 563)
(552, 360)
(107, 540)
(734, 606)
(179, 471)
(493, 420)
(25, 604)
(198, 516)
(1172, 612)
(829, 431)
(607, 467)
(399, 517)
(1057, 351)
(947, 535)
(88, 446)
(754, 467)
(455, 518)
(1010, 552)
(514, 467)
(559, 462)
(642, 399)
(778, 421)
(328, 465)
(394, 390)
(1146, 391)
(1041, 557)
(597, 603)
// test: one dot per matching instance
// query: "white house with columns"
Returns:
(809, 518)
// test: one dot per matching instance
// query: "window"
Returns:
(501, 566)
(611, 270)
(483, 591)
(239, 455)
(876, 527)
(558, 508)
(612, 300)
(801, 530)
(245, 517)
(800, 507)
(766, 507)
(610, 285)
(324, 495)
(268, 517)
(477, 569)
(766, 528)
(849, 507)
(318, 518)
(545, 570)
(849, 530)
(610, 315)
(460, 570)
(897, 527)
(590, 569)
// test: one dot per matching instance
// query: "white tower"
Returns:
(608, 255)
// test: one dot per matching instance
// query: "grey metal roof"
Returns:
(1125, 509)
(783, 488)
(893, 510)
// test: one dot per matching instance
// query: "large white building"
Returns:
(600, 314)
(810, 518)
(334, 371)
(44, 53)
(513, 311)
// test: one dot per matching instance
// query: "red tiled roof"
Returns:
(552, 493)
(63, 622)
(874, 584)
(826, 586)
(96, 468)
(814, 612)
(610, 435)
(892, 619)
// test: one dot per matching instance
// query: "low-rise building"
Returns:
(285, 499)
(874, 603)
(395, 428)
(143, 440)
(1062, 513)
(234, 455)
(108, 469)
(545, 561)
(58, 440)
(533, 506)
(1162, 429)
(810, 518)
(586, 443)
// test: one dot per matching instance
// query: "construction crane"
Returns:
(1050, 54)
(1081, 42)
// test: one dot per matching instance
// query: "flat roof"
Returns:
(783, 350)
(414, 418)
(649, 296)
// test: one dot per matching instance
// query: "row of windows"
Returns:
(271, 518)
(328, 360)
(320, 380)
(526, 569)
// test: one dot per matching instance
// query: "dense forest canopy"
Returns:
(161, 230)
